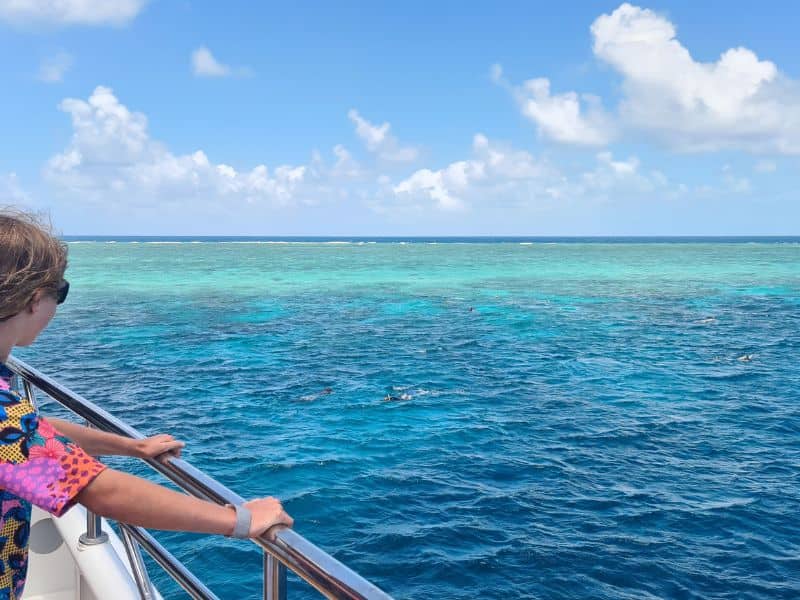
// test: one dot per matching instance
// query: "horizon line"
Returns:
(432, 236)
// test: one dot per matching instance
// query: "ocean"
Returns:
(465, 417)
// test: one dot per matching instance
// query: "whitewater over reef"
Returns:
(570, 419)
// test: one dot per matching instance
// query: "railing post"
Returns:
(94, 527)
(274, 578)
(30, 393)
(138, 567)
(94, 530)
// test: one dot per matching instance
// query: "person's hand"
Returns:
(267, 516)
(157, 445)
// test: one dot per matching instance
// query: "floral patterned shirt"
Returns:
(38, 465)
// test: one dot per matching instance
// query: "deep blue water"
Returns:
(571, 418)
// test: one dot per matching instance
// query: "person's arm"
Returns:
(101, 443)
(49, 470)
(136, 501)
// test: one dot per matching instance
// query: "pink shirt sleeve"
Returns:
(37, 462)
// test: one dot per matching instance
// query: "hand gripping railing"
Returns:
(289, 549)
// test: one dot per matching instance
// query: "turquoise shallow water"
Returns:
(571, 420)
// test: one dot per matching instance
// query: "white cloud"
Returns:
(70, 12)
(738, 185)
(501, 175)
(441, 186)
(346, 165)
(205, 65)
(733, 183)
(492, 167)
(504, 161)
(111, 156)
(765, 166)
(619, 176)
(621, 168)
(378, 140)
(53, 69)
(737, 102)
(567, 117)
(11, 192)
(496, 73)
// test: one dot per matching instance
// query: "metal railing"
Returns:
(289, 550)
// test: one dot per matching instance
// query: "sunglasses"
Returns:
(61, 294)
(62, 291)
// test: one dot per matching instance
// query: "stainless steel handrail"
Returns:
(138, 568)
(191, 584)
(326, 574)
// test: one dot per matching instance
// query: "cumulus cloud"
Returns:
(379, 141)
(736, 102)
(442, 185)
(53, 69)
(499, 174)
(70, 12)
(204, 64)
(739, 101)
(111, 155)
(492, 166)
(567, 117)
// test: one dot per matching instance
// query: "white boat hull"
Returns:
(62, 568)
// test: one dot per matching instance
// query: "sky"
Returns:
(173, 117)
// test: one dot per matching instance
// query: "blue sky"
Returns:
(420, 118)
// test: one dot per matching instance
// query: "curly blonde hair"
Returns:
(32, 258)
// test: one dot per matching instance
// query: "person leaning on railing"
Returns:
(49, 462)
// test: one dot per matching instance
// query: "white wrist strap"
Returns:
(243, 518)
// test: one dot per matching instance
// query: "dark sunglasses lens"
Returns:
(63, 290)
